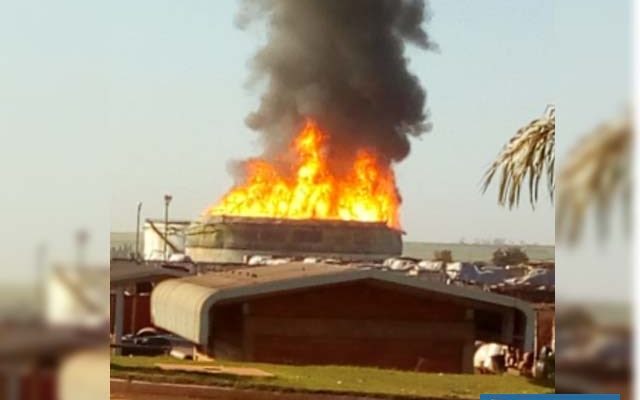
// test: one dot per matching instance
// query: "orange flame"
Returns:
(311, 190)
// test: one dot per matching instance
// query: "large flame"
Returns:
(312, 190)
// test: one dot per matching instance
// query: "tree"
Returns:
(509, 256)
(529, 155)
(593, 174)
(443, 255)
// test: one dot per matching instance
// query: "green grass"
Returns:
(334, 379)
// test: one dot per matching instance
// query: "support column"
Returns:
(247, 331)
(553, 333)
(508, 321)
(118, 328)
(13, 385)
(468, 351)
(530, 331)
(134, 309)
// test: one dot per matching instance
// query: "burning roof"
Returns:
(304, 184)
(233, 239)
(221, 219)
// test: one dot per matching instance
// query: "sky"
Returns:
(55, 152)
(178, 99)
(593, 81)
(104, 105)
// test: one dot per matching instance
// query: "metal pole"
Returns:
(81, 241)
(167, 200)
(118, 328)
(13, 385)
(137, 251)
(41, 276)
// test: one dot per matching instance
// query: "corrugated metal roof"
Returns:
(269, 273)
(182, 305)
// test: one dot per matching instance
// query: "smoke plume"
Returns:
(342, 63)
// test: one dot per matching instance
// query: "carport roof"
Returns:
(127, 271)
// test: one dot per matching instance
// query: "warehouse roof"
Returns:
(182, 305)
(257, 275)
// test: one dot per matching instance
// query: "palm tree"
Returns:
(528, 156)
(595, 171)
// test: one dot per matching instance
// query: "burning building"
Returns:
(303, 207)
(305, 184)
(339, 109)
(234, 239)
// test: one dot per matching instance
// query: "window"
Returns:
(249, 235)
(273, 235)
(307, 235)
(362, 240)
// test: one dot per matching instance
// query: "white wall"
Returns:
(154, 245)
(78, 297)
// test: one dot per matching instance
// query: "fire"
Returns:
(312, 190)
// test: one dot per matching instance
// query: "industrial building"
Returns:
(320, 313)
(224, 239)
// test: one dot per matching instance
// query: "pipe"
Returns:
(137, 251)
(167, 200)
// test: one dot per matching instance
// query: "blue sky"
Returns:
(103, 105)
(593, 81)
(55, 148)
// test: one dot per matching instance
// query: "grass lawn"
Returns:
(333, 379)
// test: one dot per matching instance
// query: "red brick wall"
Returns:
(38, 384)
(362, 300)
(421, 354)
(361, 323)
(142, 313)
(545, 323)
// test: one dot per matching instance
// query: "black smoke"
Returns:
(342, 63)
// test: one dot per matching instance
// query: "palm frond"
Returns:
(595, 172)
(528, 156)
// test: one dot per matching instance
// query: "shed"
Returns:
(131, 283)
(300, 313)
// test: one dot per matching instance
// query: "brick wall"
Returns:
(545, 325)
(38, 384)
(362, 323)
(133, 321)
